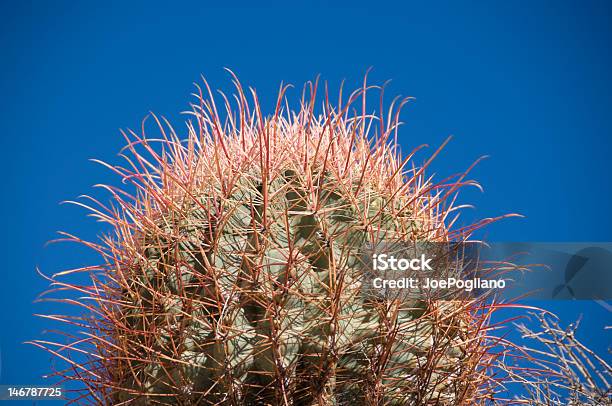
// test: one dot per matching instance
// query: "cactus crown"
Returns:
(231, 275)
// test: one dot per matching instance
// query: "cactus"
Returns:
(232, 274)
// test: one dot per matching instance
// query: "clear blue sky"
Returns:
(526, 82)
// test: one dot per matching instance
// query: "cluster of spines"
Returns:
(181, 191)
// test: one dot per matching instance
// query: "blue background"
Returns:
(525, 82)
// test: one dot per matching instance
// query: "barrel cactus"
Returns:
(233, 272)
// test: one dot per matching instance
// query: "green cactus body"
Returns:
(234, 274)
(260, 297)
